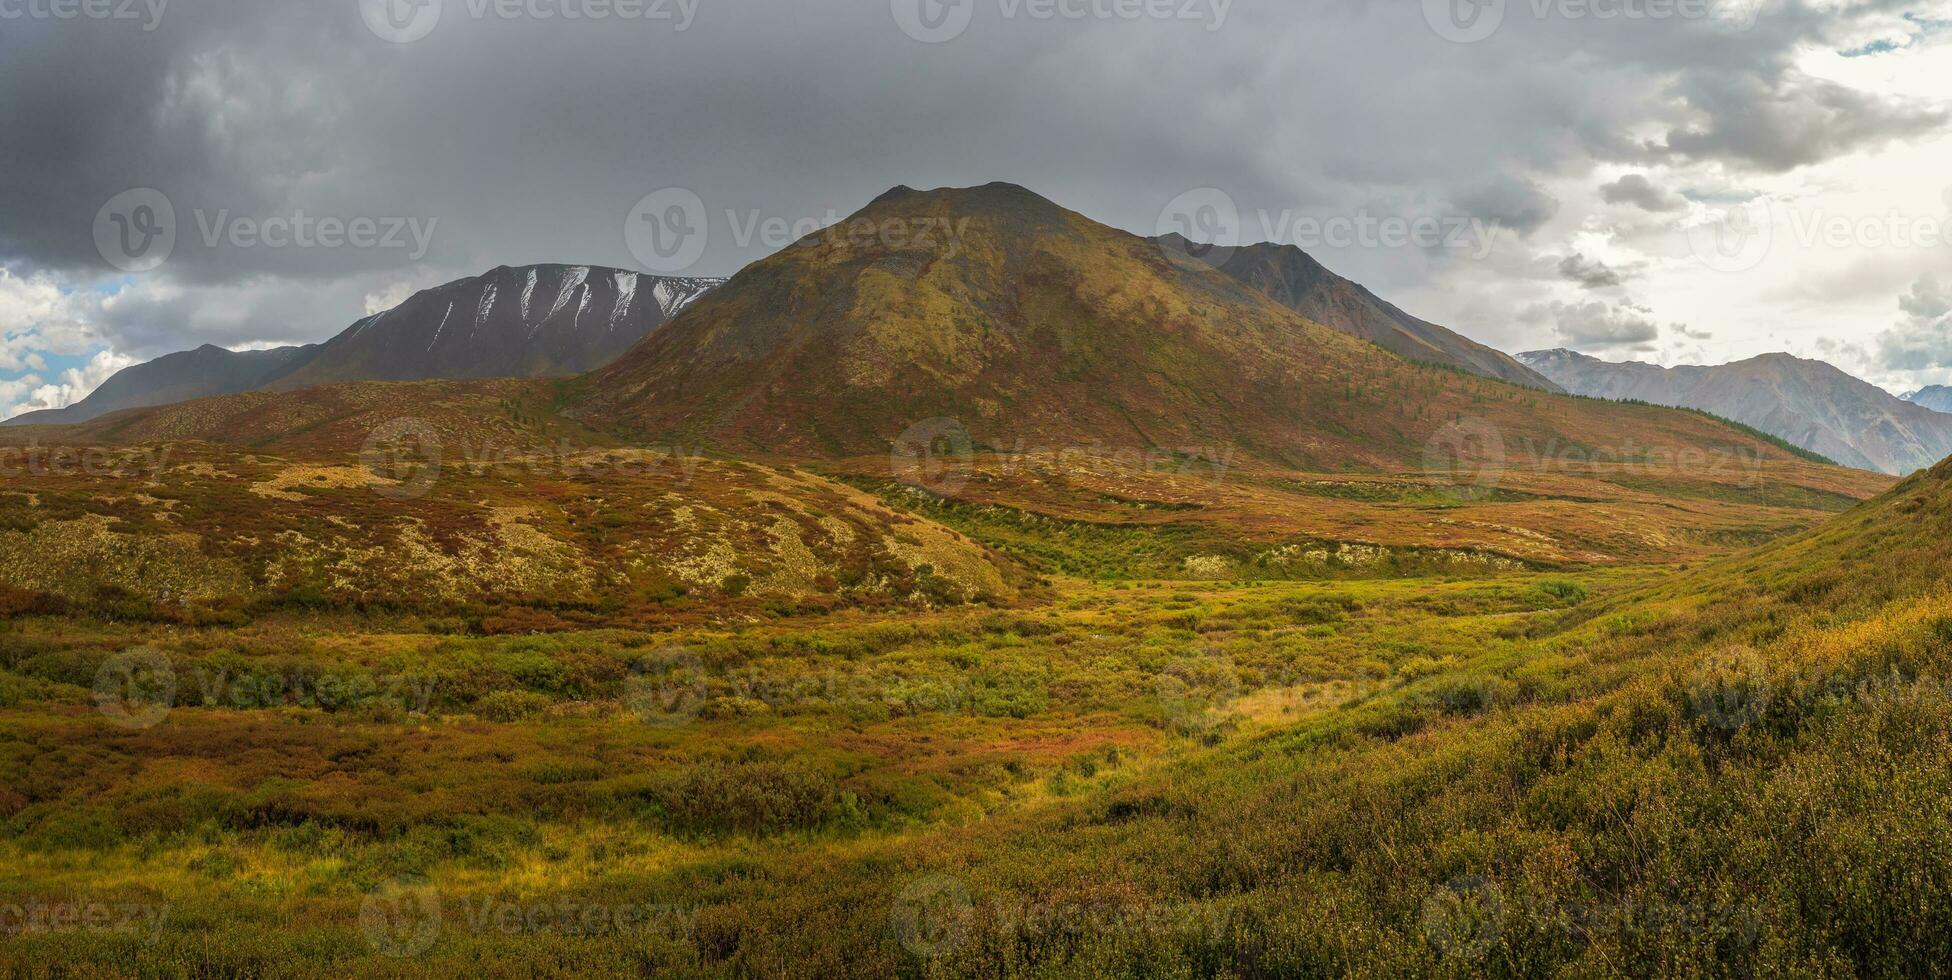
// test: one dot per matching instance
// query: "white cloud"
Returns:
(30, 394)
(38, 316)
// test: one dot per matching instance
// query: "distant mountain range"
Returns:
(1811, 404)
(185, 375)
(533, 321)
(1292, 278)
(1938, 398)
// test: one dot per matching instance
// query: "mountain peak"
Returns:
(1045, 330)
(894, 193)
(1537, 357)
(992, 198)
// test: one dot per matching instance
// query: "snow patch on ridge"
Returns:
(487, 303)
(443, 326)
(528, 291)
(626, 292)
(578, 275)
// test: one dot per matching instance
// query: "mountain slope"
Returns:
(1295, 280)
(1809, 403)
(1938, 398)
(536, 321)
(1033, 327)
(208, 370)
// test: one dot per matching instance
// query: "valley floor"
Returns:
(1516, 775)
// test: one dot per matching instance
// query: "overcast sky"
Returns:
(1684, 181)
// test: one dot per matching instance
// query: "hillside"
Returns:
(209, 370)
(446, 496)
(1035, 328)
(1295, 280)
(1809, 403)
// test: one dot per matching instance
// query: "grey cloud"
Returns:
(1637, 190)
(1923, 340)
(1790, 120)
(1595, 325)
(1927, 300)
(1589, 273)
(1520, 205)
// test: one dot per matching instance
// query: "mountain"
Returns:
(1294, 279)
(1809, 403)
(1033, 327)
(535, 321)
(1938, 398)
(208, 370)
(532, 321)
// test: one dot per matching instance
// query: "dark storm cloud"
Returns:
(516, 140)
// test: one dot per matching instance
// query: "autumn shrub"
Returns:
(510, 706)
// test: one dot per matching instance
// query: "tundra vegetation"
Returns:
(275, 707)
